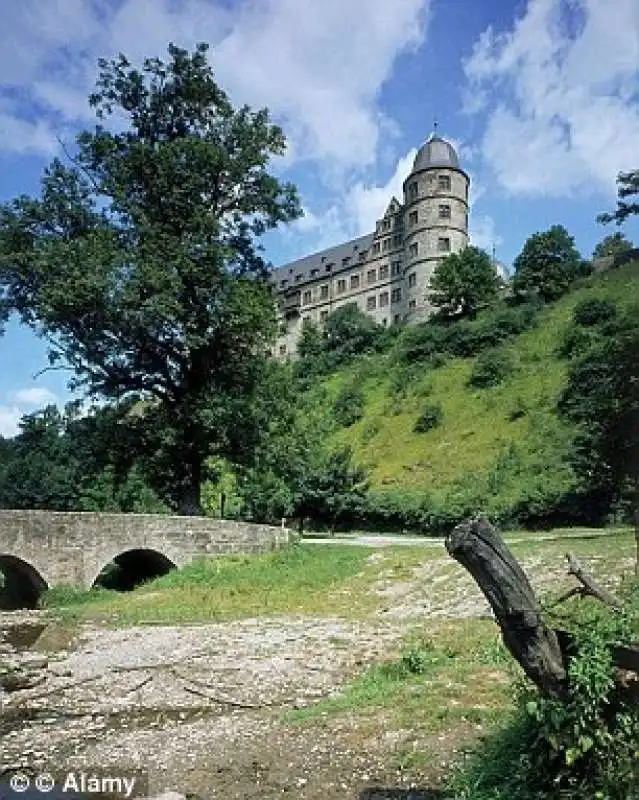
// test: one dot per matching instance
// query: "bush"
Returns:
(431, 417)
(490, 368)
(594, 311)
(584, 747)
(349, 405)
(575, 342)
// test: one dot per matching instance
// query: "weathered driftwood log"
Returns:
(480, 548)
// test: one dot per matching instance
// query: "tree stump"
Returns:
(480, 549)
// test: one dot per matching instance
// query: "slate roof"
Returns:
(319, 261)
(436, 152)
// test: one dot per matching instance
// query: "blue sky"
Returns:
(541, 97)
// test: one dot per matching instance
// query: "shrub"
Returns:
(431, 416)
(490, 368)
(594, 311)
(575, 342)
(349, 405)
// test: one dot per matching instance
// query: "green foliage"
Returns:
(66, 462)
(602, 398)
(138, 262)
(491, 368)
(585, 746)
(548, 264)
(463, 282)
(349, 405)
(627, 186)
(432, 342)
(594, 311)
(431, 416)
(613, 245)
(350, 332)
(575, 342)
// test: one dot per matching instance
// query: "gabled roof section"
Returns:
(324, 263)
(393, 207)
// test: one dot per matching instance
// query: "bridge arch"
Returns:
(22, 584)
(130, 568)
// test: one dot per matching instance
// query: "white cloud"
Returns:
(21, 402)
(318, 65)
(356, 211)
(561, 95)
(9, 418)
(482, 233)
(35, 396)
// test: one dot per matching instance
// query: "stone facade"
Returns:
(386, 273)
(45, 548)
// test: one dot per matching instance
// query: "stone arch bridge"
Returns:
(40, 549)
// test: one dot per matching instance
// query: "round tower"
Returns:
(435, 220)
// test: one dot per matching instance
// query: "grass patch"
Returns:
(299, 579)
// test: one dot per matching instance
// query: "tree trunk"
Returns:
(190, 502)
(478, 547)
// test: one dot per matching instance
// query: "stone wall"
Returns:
(73, 547)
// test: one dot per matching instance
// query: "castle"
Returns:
(386, 273)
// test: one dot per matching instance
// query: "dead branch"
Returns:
(590, 587)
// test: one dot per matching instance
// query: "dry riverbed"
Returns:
(204, 710)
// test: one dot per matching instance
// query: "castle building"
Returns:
(386, 273)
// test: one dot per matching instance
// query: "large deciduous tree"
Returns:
(627, 186)
(548, 264)
(463, 282)
(139, 265)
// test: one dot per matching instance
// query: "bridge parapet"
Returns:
(73, 547)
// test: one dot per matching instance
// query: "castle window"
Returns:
(354, 281)
(397, 319)
(341, 286)
(443, 244)
(328, 267)
(386, 225)
(299, 277)
(371, 276)
(387, 244)
(397, 240)
(307, 298)
(396, 267)
(443, 182)
(323, 259)
(362, 255)
(412, 280)
(383, 272)
(396, 296)
(323, 316)
(412, 190)
(314, 272)
(444, 212)
(324, 292)
(383, 299)
(412, 218)
(371, 303)
(346, 261)
(385, 321)
(283, 284)
(412, 250)
(376, 248)
(282, 349)
(412, 303)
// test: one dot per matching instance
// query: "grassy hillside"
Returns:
(499, 446)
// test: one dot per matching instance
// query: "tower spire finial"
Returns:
(435, 123)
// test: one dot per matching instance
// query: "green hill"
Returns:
(503, 447)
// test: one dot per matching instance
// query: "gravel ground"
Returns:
(199, 708)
